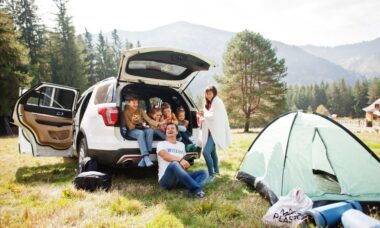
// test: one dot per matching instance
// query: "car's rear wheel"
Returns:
(83, 151)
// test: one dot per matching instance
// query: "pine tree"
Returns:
(89, 59)
(104, 59)
(32, 35)
(252, 79)
(374, 90)
(360, 97)
(67, 62)
(13, 62)
(116, 49)
(128, 45)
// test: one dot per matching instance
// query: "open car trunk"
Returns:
(150, 96)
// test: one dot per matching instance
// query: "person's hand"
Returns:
(135, 118)
(161, 123)
(201, 113)
(184, 164)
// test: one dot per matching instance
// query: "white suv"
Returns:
(54, 122)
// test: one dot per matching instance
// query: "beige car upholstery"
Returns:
(57, 137)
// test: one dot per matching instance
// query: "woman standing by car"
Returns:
(215, 130)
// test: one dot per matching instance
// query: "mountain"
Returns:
(303, 67)
(362, 58)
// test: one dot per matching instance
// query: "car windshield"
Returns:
(156, 66)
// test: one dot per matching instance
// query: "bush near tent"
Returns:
(315, 153)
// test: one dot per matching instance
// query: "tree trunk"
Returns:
(246, 125)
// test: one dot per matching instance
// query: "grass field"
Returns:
(39, 192)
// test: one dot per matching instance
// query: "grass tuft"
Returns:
(205, 207)
(123, 206)
(71, 193)
(165, 220)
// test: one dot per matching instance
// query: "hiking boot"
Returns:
(200, 195)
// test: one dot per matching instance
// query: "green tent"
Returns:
(315, 153)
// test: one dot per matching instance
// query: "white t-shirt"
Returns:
(177, 149)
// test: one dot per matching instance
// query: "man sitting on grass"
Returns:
(172, 165)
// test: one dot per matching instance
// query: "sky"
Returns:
(298, 22)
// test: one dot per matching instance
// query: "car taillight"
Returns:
(109, 115)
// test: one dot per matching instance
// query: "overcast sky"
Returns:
(317, 22)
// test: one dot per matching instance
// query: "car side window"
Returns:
(105, 94)
(52, 97)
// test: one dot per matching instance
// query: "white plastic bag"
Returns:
(288, 211)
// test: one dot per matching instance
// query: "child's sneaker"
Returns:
(141, 163)
(200, 195)
(210, 179)
(148, 162)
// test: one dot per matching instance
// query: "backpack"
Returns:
(93, 180)
(89, 179)
(88, 164)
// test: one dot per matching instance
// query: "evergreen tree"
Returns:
(128, 45)
(68, 66)
(321, 96)
(116, 48)
(360, 97)
(333, 98)
(104, 59)
(89, 59)
(13, 63)
(252, 79)
(32, 35)
(374, 90)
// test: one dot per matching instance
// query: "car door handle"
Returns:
(59, 113)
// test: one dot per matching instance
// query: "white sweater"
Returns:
(216, 120)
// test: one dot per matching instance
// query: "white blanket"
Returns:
(216, 120)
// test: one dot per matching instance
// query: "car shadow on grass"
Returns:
(59, 173)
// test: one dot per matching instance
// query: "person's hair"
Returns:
(180, 109)
(171, 123)
(214, 92)
(165, 105)
(131, 97)
(154, 110)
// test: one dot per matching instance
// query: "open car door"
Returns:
(45, 116)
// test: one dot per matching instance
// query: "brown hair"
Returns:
(165, 105)
(180, 109)
(171, 123)
(154, 110)
(214, 91)
(131, 97)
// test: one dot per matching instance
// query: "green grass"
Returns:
(39, 192)
(372, 140)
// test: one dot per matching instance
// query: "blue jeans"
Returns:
(211, 158)
(176, 177)
(159, 133)
(144, 139)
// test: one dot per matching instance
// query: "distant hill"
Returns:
(362, 58)
(303, 66)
